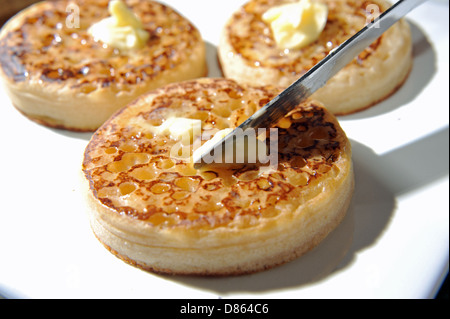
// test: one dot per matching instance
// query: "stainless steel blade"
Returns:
(317, 76)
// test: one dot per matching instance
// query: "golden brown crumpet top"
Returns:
(46, 50)
(135, 183)
(249, 53)
(124, 161)
(259, 48)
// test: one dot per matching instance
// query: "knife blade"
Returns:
(312, 80)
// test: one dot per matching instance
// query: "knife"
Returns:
(312, 80)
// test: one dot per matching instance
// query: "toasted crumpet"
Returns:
(249, 54)
(57, 74)
(155, 211)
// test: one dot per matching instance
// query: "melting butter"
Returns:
(295, 25)
(177, 128)
(180, 129)
(122, 30)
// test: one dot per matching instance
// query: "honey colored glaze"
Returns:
(133, 173)
(253, 39)
(48, 46)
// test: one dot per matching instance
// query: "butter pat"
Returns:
(180, 129)
(295, 25)
(122, 30)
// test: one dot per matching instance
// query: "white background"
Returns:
(393, 243)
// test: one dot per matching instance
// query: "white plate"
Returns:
(393, 243)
